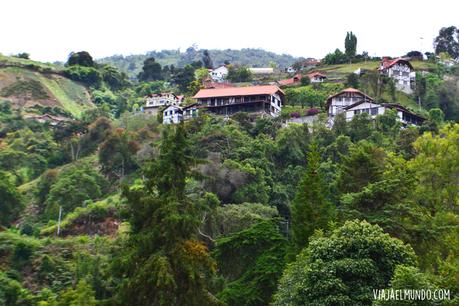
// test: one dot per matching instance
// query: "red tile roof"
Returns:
(238, 91)
(387, 63)
(316, 73)
(296, 79)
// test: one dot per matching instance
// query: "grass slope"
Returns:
(339, 72)
(26, 83)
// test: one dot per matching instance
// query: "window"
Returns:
(357, 111)
(374, 111)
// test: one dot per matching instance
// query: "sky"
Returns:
(50, 29)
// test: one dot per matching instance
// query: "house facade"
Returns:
(267, 99)
(218, 74)
(337, 103)
(400, 70)
(154, 102)
(175, 114)
(405, 116)
(317, 77)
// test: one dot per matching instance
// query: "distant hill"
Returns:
(26, 83)
(132, 64)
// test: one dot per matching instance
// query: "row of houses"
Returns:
(269, 100)
(222, 98)
(352, 102)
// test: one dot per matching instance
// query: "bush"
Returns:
(87, 75)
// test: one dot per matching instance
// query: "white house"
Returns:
(155, 101)
(400, 70)
(175, 114)
(316, 77)
(172, 114)
(290, 69)
(338, 102)
(405, 116)
(219, 74)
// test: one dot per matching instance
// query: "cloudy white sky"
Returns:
(50, 29)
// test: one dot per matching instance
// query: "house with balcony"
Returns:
(175, 114)
(337, 103)
(153, 102)
(267, 99)
(405, 116)
(400, 70)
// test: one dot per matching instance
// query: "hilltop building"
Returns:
(174, 114)
(154, 102)
(400, 70)
(219, 74)
(316, 77)
(352, 102)
(266, 99)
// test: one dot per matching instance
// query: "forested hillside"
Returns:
(112, 207)
(132, 64)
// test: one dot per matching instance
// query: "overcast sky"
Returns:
(50, 29)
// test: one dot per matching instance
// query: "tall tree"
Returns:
(350, 44)
(311, 208)
(447, 41)
(82, 58)
(10, 200)
(165, 263)
(151, 70)
(207, 60)
(344, 268)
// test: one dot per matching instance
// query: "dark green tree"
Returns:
(311, 208)
(447, 41)
(344, 268)
(184, 77)
(364, 164)
(350, 45)
(207, 60)
(352, 80)
(82, 58)
(151, 70)
(165, 263)
(10, 200)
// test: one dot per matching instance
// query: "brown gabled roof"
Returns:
(316, 73)
(238, 91)
(347, 90)
(389, 63)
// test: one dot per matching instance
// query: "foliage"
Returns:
(87, 75)
(151, 70)
(239, 74)
(344, 267)
(72, 188)
(10, 200)
(164, 262)
(252, 260)
(447, 41)
(82, 58)
(311, 208)
(350, 45)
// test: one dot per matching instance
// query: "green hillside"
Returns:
(27, 83)
(339, 72)
(132, 64)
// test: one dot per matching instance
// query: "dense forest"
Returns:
(112, 207)
(132, 64)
